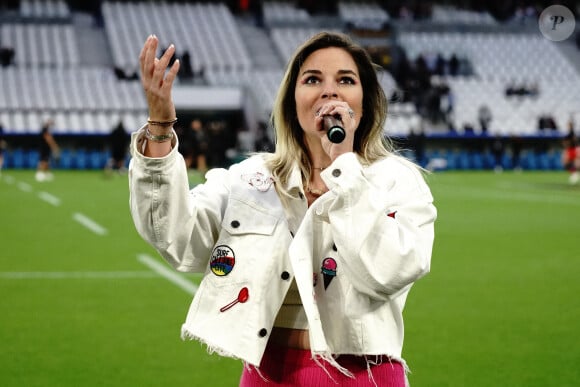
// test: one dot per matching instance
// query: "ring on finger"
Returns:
(351, 113)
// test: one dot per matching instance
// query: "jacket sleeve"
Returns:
(181, 224)
(382, 220)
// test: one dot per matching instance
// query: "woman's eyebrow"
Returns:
(347, 72)
(318, 72)
(312, 72)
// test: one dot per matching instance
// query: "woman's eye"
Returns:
(311, 80)
(347, 80)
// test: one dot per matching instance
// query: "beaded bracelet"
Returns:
(162, 123)
(158, 137)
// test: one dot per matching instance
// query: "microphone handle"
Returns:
(334, 130)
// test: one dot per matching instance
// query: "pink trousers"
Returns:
(287, 367)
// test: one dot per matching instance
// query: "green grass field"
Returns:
(79, 305)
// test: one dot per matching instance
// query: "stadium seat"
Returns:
(32, 158)
(81, 159)
(16, 159)
(66, 160)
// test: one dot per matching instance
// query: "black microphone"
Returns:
(334, 129)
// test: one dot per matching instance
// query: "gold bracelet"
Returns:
(162, 123)
(158, 137)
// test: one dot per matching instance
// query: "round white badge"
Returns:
(557, 23)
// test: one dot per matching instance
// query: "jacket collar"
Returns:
(294, 183)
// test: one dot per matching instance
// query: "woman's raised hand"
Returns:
(157, 81)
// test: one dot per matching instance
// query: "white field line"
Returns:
(159, 269)
(76, 274)
(24, 186)
(9, 179)
(50, 199)
(168, 273)
(89, 223)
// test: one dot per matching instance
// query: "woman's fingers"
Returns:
(349, 123)
(341, 109)
(148, 54)
(143, 54)
(161, 66)
(157, 79)
(171, 75)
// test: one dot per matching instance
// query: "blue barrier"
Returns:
(456, 160)
(470, 160)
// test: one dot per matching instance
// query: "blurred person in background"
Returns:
(417, 141)
(571, 154)
(517, 144)
(200, 142)
(309, 252)
(47, 149)
(2, 147)
(484, 118)
(498, 150)
(263, 142)
(119, 142)
(219, 141)
(185, 143)
(193, 144)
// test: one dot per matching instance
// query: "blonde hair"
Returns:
(369, 143)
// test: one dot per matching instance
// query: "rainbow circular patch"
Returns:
(222, 260)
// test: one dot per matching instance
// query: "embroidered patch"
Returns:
(243, 296)
(222, 260)
(328, 271)
(392, 214)
(258, 181)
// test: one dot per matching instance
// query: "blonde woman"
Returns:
(309, 252)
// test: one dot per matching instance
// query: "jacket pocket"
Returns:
(247, 238)
(245, 218)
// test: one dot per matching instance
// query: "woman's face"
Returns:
(328, 78)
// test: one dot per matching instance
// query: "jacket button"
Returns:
(263, 332)
(285, 275)
(235, 224)
(336, 172)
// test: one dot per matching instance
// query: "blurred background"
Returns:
(472, 84)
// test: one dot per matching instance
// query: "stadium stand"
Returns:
(41, 44)
(80, 67)
(363, 14)
(449, 14)
(208, 30)
(500, 60)
(277, 13)
(38, 9)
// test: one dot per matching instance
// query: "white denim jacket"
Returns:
(355, 254)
